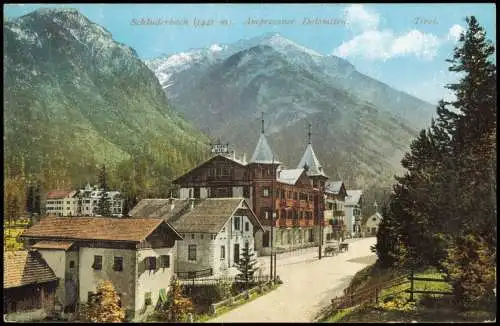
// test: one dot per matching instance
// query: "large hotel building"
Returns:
(297, 197)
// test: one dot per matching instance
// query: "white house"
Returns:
(61, 203)
(136, 255)
(83, 202)
(352, 206)
(371, 225)
(214, 232)
(89, 201)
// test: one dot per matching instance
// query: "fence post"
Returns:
(376, 295)
(411, 285)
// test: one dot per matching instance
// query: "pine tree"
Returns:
(106, 307)
(476, 121)
(388, 246)
(104, 207)
(246, 266)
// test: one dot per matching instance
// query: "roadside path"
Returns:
(309, 284)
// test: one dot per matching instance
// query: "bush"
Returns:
(224, 289)
(105, 306)
(177, 307)
(470, 268)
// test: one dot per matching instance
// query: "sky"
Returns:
(402, 45)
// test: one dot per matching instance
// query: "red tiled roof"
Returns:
(25, 267)
(45, 244)
(55, 194)
(94, 228)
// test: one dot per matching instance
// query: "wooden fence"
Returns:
(194, 274)
(245, 295)
(373, 294)
(256, 279)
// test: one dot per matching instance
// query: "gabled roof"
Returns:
(206, 161)
(333, 187)
(263, 153)
(290, 176)
(58, 245)
(311, 163)
(158, 208)
(95, 228)
(353, 196)
(24, 268)
(211, 214)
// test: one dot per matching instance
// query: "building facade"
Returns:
(288, 202)
(370, 228)
(214, 231)
(82, 202)
(353, 203)
(61, 203)
(136, 255)
(335, 218)
(29, 287)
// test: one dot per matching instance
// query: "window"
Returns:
(67, 202)
(192, 235)
(91, 296)
(97, 265)
(147, 298)
(247, 226)
(222, 252)
(246, 244)
(236, 222)
(192, 252)
(246, 192)
(72, 264)
(213, 236)
(118, 264)
(265, 192)
(201, 236)
(150, 263)
(165, 261)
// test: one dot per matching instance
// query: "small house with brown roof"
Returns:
(214, 231)
(29, 286)
(136, 255)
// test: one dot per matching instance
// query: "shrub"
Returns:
(470, 267)
(105, 306)
(224, 289)
(177, 306)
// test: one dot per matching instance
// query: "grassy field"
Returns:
(10, 235)
(394, 305)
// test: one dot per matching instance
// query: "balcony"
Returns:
(303, 204)
(291, 202)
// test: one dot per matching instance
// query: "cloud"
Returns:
(374, 44)
(358, 17)
(454, 32)
(383, 45)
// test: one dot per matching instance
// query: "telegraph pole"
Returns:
(273, 204)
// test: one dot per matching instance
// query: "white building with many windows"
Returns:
(83, 202)
(61, 203)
